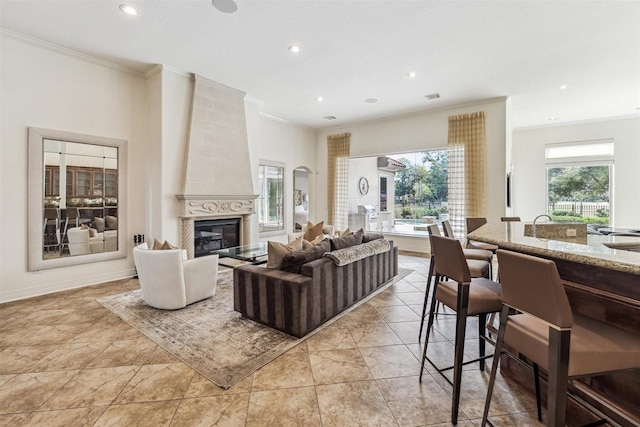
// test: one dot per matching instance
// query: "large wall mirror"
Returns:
(301, 198)
(77, 197)
(271, 198)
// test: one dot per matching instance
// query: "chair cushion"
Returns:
(480, 254)
(293, 261)
(484, 296)
(478, 268)
(595, 346)
(276, 251)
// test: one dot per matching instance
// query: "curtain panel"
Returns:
(467, 168)
(338, 147)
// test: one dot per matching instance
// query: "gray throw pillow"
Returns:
(293, 262)
(346, 241)
(368, 237)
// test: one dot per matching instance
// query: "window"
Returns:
(271, 198)
(579, 181)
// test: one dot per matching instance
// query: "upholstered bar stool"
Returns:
(547, 332)
(464, 295)
(472, 225)
(477, 268)
(478, 254)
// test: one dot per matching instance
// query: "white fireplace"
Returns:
(218, 181)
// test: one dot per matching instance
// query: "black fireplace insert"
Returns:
(213, 234)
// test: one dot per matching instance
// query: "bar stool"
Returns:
(467, 297)
(510, 218)
(472, 225)
(477, 268)
(547, 332)
(479, 254)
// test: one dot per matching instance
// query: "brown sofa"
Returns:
(299, 303)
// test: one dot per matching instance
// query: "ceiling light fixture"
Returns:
(329, 117)
(294, 48)
(319, 99)
(371, 100)
(225, 6)
(129, 10)
(553, 118)
(432, 96)
(411, 74)
(564, 87)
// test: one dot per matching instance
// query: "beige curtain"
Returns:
(466, 168)
(338, 147)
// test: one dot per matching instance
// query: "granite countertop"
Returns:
(599, 250)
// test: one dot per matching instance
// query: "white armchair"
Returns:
(169, 282)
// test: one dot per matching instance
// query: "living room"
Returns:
(49, 85)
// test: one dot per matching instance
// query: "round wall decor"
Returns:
(363, 186)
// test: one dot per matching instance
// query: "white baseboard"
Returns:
(49, 288)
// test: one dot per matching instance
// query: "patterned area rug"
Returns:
(209, 335)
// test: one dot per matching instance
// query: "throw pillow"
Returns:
(293, 262)
(99, 224)
(276, 251)
(93, 232)
(157, 246)
(112, 222)
(346, 241)
(344, 233)
(368, 237)
(313, 231)
(309, 244)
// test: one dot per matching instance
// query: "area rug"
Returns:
(209, 335)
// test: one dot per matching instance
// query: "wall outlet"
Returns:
(571, 232)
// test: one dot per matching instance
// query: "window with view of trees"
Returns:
(578, 181)
(421, 189)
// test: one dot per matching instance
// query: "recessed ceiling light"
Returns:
(564, 87)
(319, 99)
(411, 75)
(329, 117)
(432, 96)
(225, 6)
(371, 100)
(294, 48)
(129, 10)
(553, 118)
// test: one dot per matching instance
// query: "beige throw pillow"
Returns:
(276, 251)
(345, 232)
(313, 231)
(309, 244)
(157, 246)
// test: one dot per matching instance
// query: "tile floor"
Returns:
(67, 361)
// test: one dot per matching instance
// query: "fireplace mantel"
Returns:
(203, 206)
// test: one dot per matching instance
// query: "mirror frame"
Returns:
(283, 166)
(36, 196)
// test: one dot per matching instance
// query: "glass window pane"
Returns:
(579, 193)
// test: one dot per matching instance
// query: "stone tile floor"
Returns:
(65, 360)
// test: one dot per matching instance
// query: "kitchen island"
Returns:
(601, 275)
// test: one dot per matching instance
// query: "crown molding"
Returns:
(69, 52)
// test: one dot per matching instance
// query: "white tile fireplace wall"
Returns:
(217, 181)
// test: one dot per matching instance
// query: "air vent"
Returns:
(329, 117)
(432, 96)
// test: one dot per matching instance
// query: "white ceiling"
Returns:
(353, 50)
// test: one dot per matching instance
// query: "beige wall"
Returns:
(47, 89)
(529, 174)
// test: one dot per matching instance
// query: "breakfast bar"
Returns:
(601, 275)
